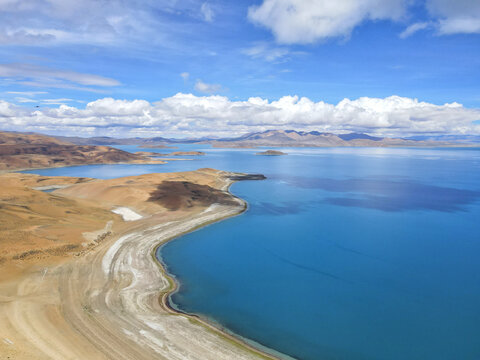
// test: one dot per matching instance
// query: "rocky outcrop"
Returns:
(271, 153)
(241, 177)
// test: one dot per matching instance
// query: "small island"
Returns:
(157, 146)
(186, 153)
(149, 154)
(271, 153)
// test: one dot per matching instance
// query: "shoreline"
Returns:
(166, 302)
(22, 170)
(110, 301)
(140, 304)
(145, 243)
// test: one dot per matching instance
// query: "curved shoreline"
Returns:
(165, 297)
(111, 301)
(125, 297)
(165, 300)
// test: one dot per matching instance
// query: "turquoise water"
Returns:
(342, 254)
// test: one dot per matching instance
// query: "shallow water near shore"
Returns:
(343, 253)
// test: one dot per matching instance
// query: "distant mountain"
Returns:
(285, 138)
(453, 138)
(105, 140)
(292, 138)
(353, 136)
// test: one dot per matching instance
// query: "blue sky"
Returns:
(68, 53)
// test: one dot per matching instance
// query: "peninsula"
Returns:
(78, 276)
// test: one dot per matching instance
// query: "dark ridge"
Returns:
(177, 195)
(271, 153)
(240, 177)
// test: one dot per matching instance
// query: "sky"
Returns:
(220, 68)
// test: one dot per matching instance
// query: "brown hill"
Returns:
(27, 151)
(14, 138)
(36, 224)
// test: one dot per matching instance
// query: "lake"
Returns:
(344, 253)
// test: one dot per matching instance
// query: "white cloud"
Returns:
(21, 99)
(308, 21)
(185, 76)
(60, 101)
(459, 25)
(60, 84)
(11, 114)
(34, 75)
(455, 16)
(412, 29)
(27, 93)
(266, 52)
(207, 88)
(112, 107)
(35, 22)
(190, 115)
(29, 71)
(207, 12)
(97, 22)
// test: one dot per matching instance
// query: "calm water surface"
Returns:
(342, 254)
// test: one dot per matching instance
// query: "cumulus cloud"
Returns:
(455, 16)
(190, 115)
(35, 75)
(185, 76)
(308, 21)
(207, 88)
(11, 114)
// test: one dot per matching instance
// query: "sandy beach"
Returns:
(109, 302)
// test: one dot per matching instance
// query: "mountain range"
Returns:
(292, 138)
(286, 138)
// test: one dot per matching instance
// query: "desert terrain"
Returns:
(78, 275)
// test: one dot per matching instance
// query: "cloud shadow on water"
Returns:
(284, 208)
(390, 195)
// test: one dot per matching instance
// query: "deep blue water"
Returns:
(342, 254)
